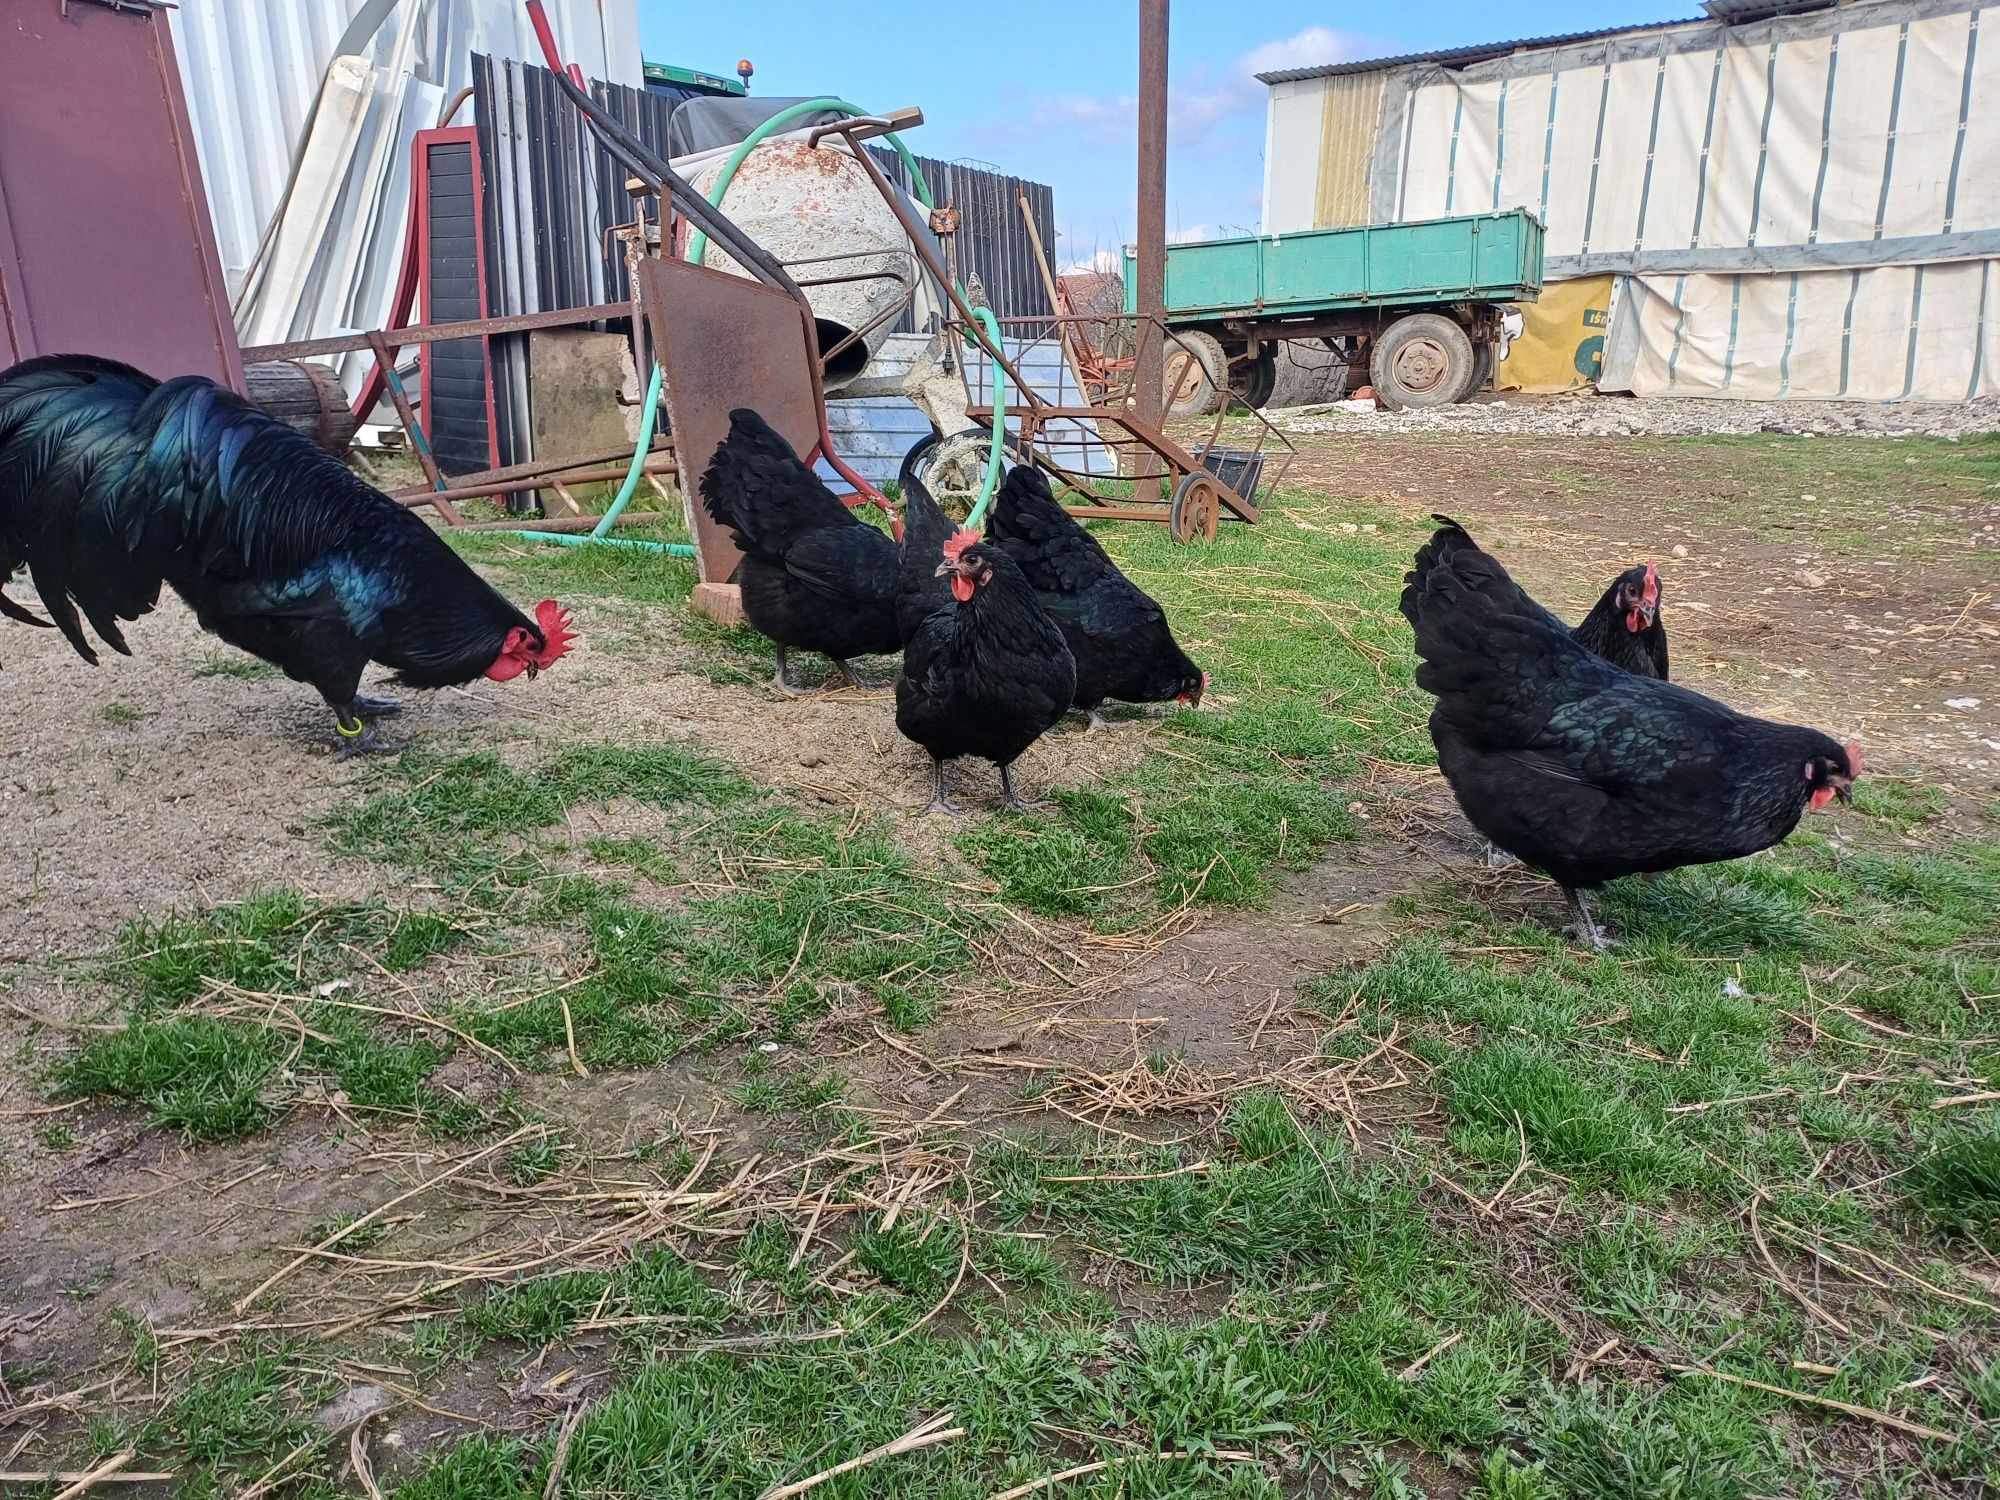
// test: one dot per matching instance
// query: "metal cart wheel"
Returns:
(1197, 508)
(954, 470)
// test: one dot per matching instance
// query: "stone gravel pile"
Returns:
(1516, 415)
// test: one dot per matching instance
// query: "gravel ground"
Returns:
(1521, 415)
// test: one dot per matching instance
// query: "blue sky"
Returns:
(1048, 92)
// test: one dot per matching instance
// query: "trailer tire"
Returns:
(1194, 373)
(1485, 360)
(1420, 361)
(1252, 381)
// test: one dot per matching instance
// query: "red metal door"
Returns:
(105, 241)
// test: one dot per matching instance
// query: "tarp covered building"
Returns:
(1776, 200)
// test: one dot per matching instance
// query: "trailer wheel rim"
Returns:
(1182, 378)
(1421, 366)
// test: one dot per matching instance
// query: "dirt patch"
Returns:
(1790, 617)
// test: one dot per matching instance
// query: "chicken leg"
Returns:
(847, 673)
(1011, 798)
(1586, 928)
(381, 708)
(939, 802)
(779, 682)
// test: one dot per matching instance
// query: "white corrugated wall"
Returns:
(261, 82)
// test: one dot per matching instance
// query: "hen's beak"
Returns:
(1844, 790)
(945, 567)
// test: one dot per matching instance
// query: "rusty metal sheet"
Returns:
(105, 241)
(724, 342)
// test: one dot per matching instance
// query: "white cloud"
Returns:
(1199, 105)
(1103, 262)
(1199, 99)
(1316, 46)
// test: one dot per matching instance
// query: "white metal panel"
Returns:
(253, 72)
(1291, 156)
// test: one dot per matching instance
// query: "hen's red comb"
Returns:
(1853, 758)
(554, 622)
(958, 541)
(1649, 591)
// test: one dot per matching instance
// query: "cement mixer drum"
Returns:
(804, 204)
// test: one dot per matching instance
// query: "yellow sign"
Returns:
(1561, 346)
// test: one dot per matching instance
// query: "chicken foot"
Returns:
(779, 682)
(354, 737)
(848, 674)
(939, 801)
(381, 708)
(1586, 928)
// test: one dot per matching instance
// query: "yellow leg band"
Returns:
(359, 728)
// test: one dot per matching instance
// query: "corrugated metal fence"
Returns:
(552, 195)
(992, 242)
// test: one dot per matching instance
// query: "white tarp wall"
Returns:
(304, 111)
(1805, 207)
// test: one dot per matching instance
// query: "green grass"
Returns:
(229, 664)
(1538, 1262)
(201, 1046)
(1310, 671)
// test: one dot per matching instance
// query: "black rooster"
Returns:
(112, 484)
(1624, 627)
(1118, 634)
(1583, 770)
(813, 575)
(985, 672)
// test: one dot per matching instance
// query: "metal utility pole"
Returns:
(1152, 237)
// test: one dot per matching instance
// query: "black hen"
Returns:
(985, 672)
(1625, 628)
(1117, 633)
(1583, 770)
(813, 574)
(112, 484)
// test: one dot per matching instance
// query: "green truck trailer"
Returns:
(1422, 307)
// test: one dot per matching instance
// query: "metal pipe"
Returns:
(1152, 229)
(435, 333)
(566, 524)
(528, 482)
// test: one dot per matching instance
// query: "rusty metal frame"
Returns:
(1170, 458)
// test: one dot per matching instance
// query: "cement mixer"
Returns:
(817, 211)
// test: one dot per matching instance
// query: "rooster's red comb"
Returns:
(554, 622)
(958, 541)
